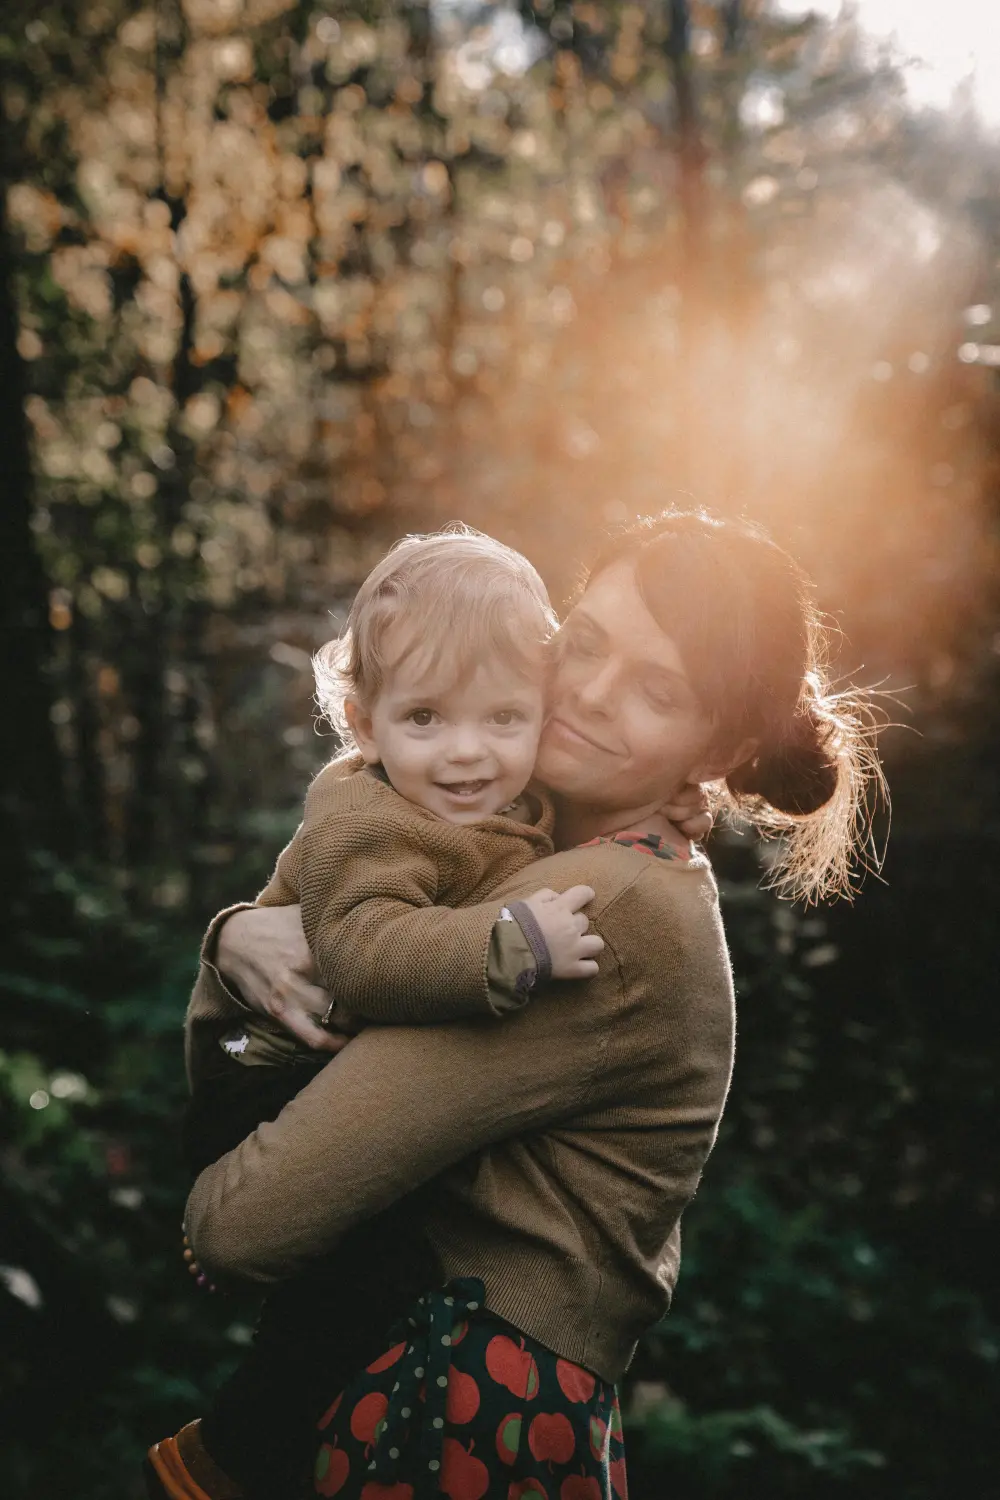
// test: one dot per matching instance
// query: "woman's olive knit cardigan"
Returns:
(567, 1138)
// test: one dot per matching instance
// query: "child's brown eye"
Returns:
(505, 717)
(422, 717)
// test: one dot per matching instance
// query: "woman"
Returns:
(566, 1145)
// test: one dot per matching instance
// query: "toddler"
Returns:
(438, 683)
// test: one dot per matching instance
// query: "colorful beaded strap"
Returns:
(646, 843)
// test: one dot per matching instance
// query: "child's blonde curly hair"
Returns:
(467, 599)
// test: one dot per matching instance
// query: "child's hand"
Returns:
(690, 812)
(572, 949)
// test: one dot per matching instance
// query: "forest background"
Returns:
(280, 282)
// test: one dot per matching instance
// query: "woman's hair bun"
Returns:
(799, 773)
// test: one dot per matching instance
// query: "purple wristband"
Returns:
(534, 937)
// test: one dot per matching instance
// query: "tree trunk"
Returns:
(32, 795)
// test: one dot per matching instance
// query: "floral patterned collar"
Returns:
(646, 843)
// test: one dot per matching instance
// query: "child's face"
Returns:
(462, 752)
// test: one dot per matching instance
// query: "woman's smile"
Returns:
(559, 727)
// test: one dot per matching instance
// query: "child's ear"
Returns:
(359, 722)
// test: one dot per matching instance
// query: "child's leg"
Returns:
(227, 1108)
(313, 1333)
(221, 1113)
(259, 1431)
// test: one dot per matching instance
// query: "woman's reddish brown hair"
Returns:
(742, 614)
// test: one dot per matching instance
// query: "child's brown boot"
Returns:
(181, 1468)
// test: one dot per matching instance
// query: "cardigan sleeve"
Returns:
(383, 948)
(397, 1106)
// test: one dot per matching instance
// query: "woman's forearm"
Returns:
(398, 1106)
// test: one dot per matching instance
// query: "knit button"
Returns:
(438, 1422)
(442, 1380)
(449, 1302)
(393, 1452)
(446, 1338)
(473, 1306)
(433, 1465)
(404, 1411)
(419, 1372)
(395, 1388)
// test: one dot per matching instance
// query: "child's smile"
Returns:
(461, 750)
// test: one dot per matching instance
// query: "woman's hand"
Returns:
(689, 812)
(263, 951)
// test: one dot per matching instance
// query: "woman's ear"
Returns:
(359, 722)
(721, 762)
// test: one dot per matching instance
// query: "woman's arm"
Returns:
(397, 1106)
(401, 1104)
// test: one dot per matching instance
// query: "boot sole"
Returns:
(166, 1477)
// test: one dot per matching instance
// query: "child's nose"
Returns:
(467, 745)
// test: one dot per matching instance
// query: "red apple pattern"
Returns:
(330, 1413)
(580, 1487)
(508, 1420)
(551, 1438)
(463, 1397)
(333, 1468)
(618, 1481)
(576, 1384)
(598, 1439)
(509, 1437)
(367, 1415)
(463, 1476)
(512, 1366)
(387, 1360)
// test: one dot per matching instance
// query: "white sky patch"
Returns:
(946, 50)
(487, 40)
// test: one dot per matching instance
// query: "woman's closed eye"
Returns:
(666, 692)
(578, 643)
(662, 699)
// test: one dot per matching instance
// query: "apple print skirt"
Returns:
(464, 1405)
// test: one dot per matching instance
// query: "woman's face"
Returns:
(625, 727)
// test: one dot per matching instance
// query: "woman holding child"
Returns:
(561, 1128)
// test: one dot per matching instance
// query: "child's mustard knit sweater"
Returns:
(391, 894)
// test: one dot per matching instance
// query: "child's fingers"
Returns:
(584, 968)
(590, 945)
(696, 827)
(577, 896)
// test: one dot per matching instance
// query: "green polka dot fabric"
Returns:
(464, 1405)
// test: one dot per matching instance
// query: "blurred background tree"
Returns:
(280, 282)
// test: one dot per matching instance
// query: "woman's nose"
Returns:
(595, 689)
